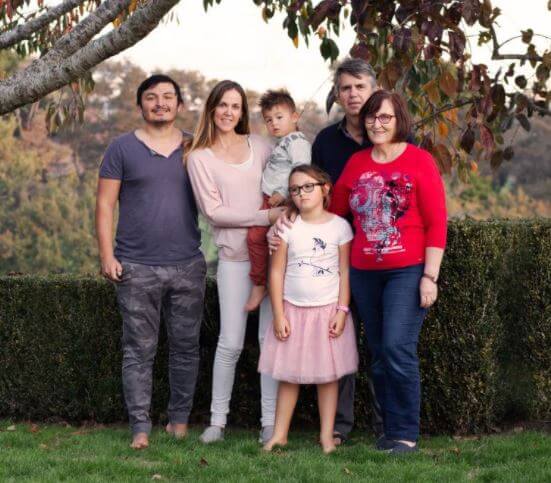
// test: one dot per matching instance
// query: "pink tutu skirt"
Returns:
(309, 355)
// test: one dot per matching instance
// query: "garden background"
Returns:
(479, 95)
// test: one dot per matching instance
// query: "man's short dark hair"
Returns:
(152, 81)
(403, 118)
(274, 98)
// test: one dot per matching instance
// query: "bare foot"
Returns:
(275, 441)
(140, 441)
(258, 293)
(328, 445)
(178, 430)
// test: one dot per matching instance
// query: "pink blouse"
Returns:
(229, 196)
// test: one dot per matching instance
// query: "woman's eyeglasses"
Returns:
(306, 187)
(383, 119)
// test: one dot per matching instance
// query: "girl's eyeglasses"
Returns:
(306, 187)
(383, 119)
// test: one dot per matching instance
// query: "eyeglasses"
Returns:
(383, 119)
(306, 187)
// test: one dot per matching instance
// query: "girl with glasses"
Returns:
(312, 340)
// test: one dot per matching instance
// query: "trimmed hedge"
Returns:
(485, 347)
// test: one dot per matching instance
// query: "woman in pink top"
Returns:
(225, 165)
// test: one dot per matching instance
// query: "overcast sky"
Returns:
(232, 41)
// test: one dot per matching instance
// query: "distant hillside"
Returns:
(530, 168)
(520, 187)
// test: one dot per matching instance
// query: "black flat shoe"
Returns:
(341, 437)
(402, 448)
(383, 444)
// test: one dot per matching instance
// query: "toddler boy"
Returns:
(292, 148)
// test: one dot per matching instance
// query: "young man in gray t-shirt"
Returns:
(156, 266)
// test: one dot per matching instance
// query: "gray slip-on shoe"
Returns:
(266, 434)
(212, 434)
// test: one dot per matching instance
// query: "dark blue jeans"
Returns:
(388, 302)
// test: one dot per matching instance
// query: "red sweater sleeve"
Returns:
(431, 200)
(341, 191)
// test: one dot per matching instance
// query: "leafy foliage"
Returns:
(46, 221)
(419, 47)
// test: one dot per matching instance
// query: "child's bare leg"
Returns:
(258, 293)
(327, 404)
(287, 395)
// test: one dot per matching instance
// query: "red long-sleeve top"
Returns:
(399, 208)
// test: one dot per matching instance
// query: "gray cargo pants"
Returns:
(145, 291)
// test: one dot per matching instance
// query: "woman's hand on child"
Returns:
(336, 326)
(276, 199)
(275, 213)
(273, 239)
(282, 328)
(285, 220)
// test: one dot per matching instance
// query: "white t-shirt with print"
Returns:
(312, 274)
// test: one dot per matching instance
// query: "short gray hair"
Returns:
(356, 68)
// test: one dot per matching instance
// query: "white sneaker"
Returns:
(212, 434)
(266, 434)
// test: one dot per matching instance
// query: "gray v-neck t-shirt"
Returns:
(157, 213)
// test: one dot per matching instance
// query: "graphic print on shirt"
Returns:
(318, 251)
(380, 201)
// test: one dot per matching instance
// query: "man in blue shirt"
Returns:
(354, 83)
(157, 266)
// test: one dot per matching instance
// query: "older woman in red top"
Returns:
(396, 196)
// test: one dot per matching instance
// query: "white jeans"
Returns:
(234, 287)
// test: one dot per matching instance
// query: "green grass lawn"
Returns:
(58, 453)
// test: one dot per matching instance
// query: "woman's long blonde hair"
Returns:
(205, 132)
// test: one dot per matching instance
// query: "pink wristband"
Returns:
(344, 308)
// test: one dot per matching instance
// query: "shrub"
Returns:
(485, 347)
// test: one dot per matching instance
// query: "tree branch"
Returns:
(496, 55)
(24, 31)
(44, 76)
(447, 107)
(85, 30)
(542, 110)
(519, 37)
